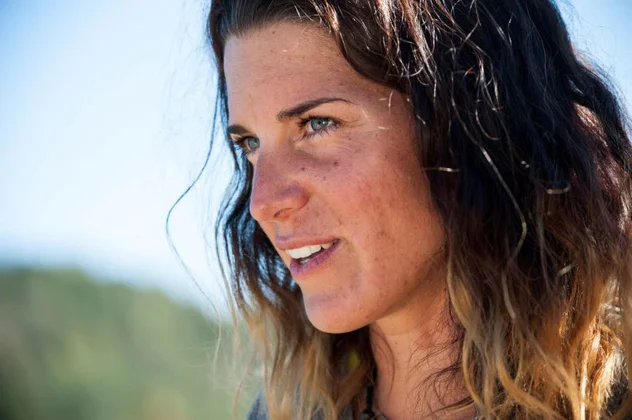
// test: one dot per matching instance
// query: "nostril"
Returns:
(277, 201)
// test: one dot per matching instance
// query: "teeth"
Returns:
(306, 251)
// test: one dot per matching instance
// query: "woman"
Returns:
(430, 214)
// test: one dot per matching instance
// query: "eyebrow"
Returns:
(293, 112)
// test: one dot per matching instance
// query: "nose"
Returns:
(277, 192)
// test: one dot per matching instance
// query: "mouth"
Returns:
(309, 258)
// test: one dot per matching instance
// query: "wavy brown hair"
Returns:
(529, 160)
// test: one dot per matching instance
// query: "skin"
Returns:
(359, 181)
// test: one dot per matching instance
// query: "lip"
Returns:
(318, 262)
(286, 243)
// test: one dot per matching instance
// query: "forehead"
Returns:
(287, 63)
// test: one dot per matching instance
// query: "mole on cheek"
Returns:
(335, 163)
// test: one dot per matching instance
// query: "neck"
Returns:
(411, 347)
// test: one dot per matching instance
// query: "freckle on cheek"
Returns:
(336, 163)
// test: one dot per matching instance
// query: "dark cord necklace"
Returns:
(368, 413)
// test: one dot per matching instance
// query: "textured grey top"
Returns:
(259, 411)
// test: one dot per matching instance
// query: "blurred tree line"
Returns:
(75, 348)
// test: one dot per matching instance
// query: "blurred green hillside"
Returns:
(74, 348)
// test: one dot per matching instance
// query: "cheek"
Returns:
(351, 178)
(387, 206)
(378, 186)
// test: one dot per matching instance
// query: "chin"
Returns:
(331, 320)
(333, 328)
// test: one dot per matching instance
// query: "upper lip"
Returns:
(286, 243)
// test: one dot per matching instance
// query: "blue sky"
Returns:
(104, 119)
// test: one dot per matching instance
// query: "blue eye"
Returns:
(252, 143)
(318, 123)
(248, 144)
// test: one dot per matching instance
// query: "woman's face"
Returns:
(335, 171)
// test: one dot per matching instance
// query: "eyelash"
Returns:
(241, 142)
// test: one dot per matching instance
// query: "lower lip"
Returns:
(318, 262)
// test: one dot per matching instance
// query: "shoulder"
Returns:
(618, 395)
(258, 410)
